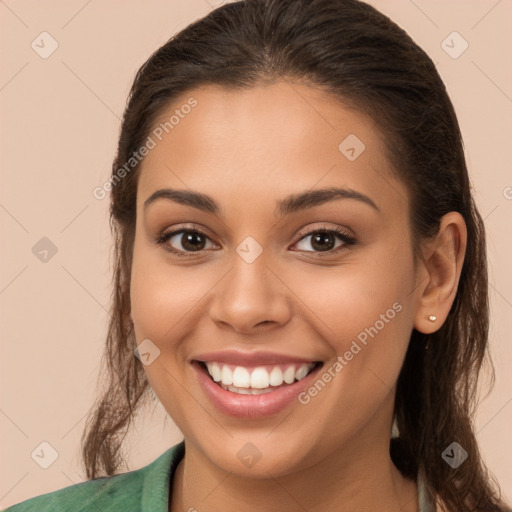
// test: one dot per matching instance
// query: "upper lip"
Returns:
(250, 358)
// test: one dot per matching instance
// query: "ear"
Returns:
(439, 273)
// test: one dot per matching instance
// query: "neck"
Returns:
(349, 479)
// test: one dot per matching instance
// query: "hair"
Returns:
(360, 57)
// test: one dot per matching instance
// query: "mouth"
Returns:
(256, 379)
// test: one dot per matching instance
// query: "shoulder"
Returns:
(108, 493)
(142, 489)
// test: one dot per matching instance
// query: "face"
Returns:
(254, 276)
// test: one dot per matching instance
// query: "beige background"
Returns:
(60, 120)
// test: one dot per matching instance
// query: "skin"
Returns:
(248, 149)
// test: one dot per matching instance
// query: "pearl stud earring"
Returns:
(432, 318)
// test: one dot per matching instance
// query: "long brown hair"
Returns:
(361, 57)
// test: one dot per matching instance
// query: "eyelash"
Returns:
(348, 242)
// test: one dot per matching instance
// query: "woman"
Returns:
(300, 266)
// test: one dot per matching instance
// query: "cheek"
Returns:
(369, 337)
(355, 294)
(363, 310)
(162, 296)
(164, 299)
(352, 311)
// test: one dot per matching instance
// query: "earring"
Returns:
(432, 318)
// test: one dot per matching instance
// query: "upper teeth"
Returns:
(259, 377)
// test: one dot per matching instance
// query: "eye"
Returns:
(183, 241)
(323, 241)
(186, 240)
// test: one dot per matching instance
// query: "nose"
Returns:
(251, 298)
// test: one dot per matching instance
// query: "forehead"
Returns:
(266, 141)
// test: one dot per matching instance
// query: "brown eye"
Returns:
(324, 241)
(191, 240)
(183, 241)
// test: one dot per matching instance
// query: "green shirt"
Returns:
(144, 490)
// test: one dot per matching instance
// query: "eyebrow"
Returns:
(286, 206)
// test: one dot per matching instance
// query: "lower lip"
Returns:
(251, 406)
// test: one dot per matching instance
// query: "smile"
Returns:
(256, 380)
(253, 387)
